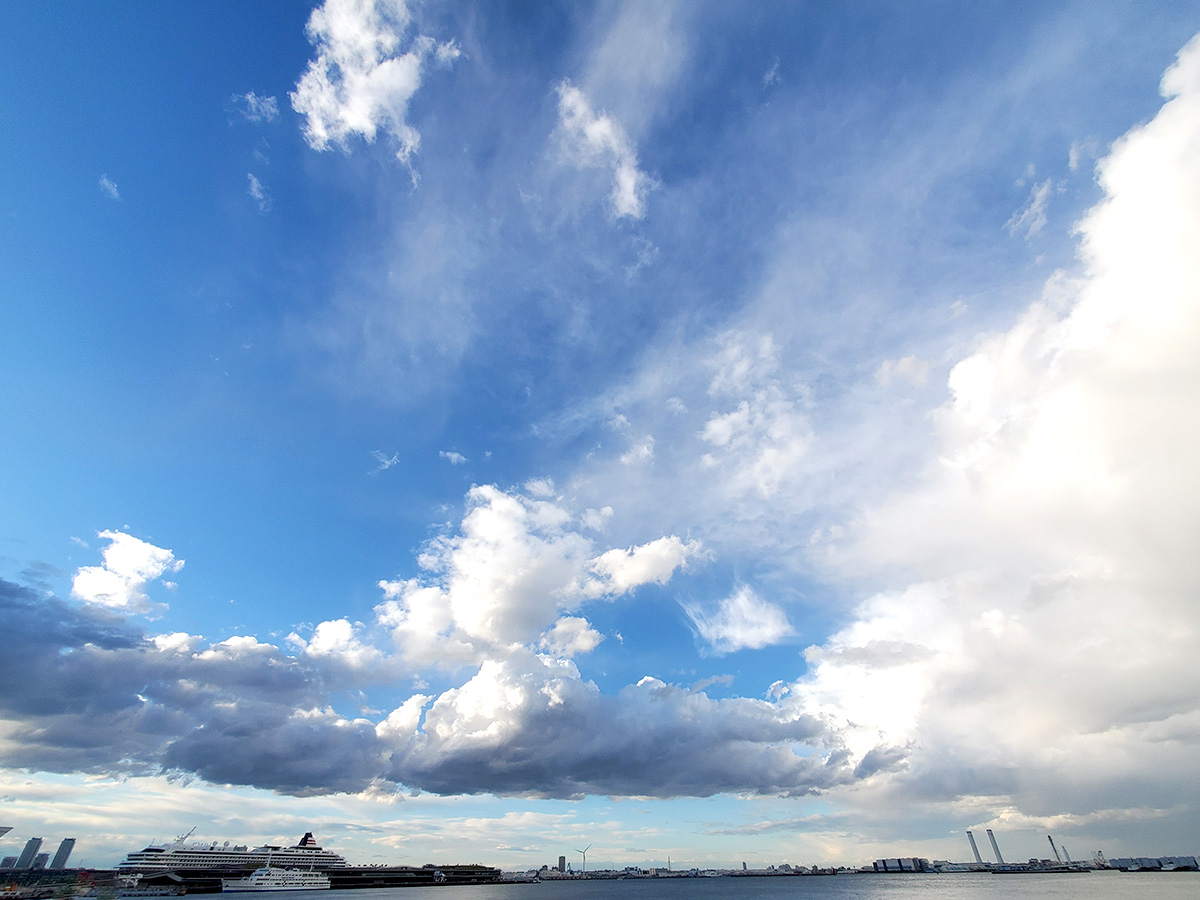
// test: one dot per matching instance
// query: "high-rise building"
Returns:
(562, 864)
(63, 854)
(39, 861)
(8, 862)
(25, 860)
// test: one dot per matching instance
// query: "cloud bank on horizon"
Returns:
(946, 570)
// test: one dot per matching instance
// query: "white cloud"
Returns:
(447, 52)
(761, 443)
(741, 621)
(452, 457)
(642, 451)
(255, 108)
(910, 368)
(1045, 557)
(129, 565)
(517, 561)
(364, 74)
(540, 487)
(570, 636)
(1087, 149)
(530, 724)
(258, 193)
(109, 188)
(771, 76)
(1030, 219)
(619, 571)
(340, 641)
(641, 50)
(384, 461)
(596, 519)
(596, 140)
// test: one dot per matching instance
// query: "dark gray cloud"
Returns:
(563, 738)
(83, 690)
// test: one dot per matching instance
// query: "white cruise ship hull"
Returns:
(268, 879)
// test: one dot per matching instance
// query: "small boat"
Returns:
(268, 878)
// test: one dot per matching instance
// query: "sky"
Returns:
(726, 432)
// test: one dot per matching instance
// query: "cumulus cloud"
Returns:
(108, 187)
(596, 140)
(1044, 560)
(618, 571)
(129, 565)
(364, 74)
(255, 108)
(87, 692)
(517, 561)
(570, 635)
(529, 725)
(452, 456)
(741, 621)
(340, 640)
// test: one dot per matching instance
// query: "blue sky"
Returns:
(726, 432)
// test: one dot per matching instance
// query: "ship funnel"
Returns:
(974, 849)
(995, 847)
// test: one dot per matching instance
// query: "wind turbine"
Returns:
(584, 852)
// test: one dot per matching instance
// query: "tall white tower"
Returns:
(995, 847)
(974, 849)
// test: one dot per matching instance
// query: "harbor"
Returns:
(181, 867)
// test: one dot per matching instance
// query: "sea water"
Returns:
(1109, 885)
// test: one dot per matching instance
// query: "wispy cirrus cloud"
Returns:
(384, 461)
(741, 621)
(258, 193)
(593, 139)
(108, 187)
(255, 108)
(1030, 219)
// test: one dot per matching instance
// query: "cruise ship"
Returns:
(271, 879)
(181, 855)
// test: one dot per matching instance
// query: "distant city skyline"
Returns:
(666, 430)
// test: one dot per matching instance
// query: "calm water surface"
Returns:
(1089, 886)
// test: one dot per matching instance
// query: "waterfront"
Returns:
(1086, 886)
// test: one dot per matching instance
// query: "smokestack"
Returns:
(995, 848)
(1050, 838)
(974, 849)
